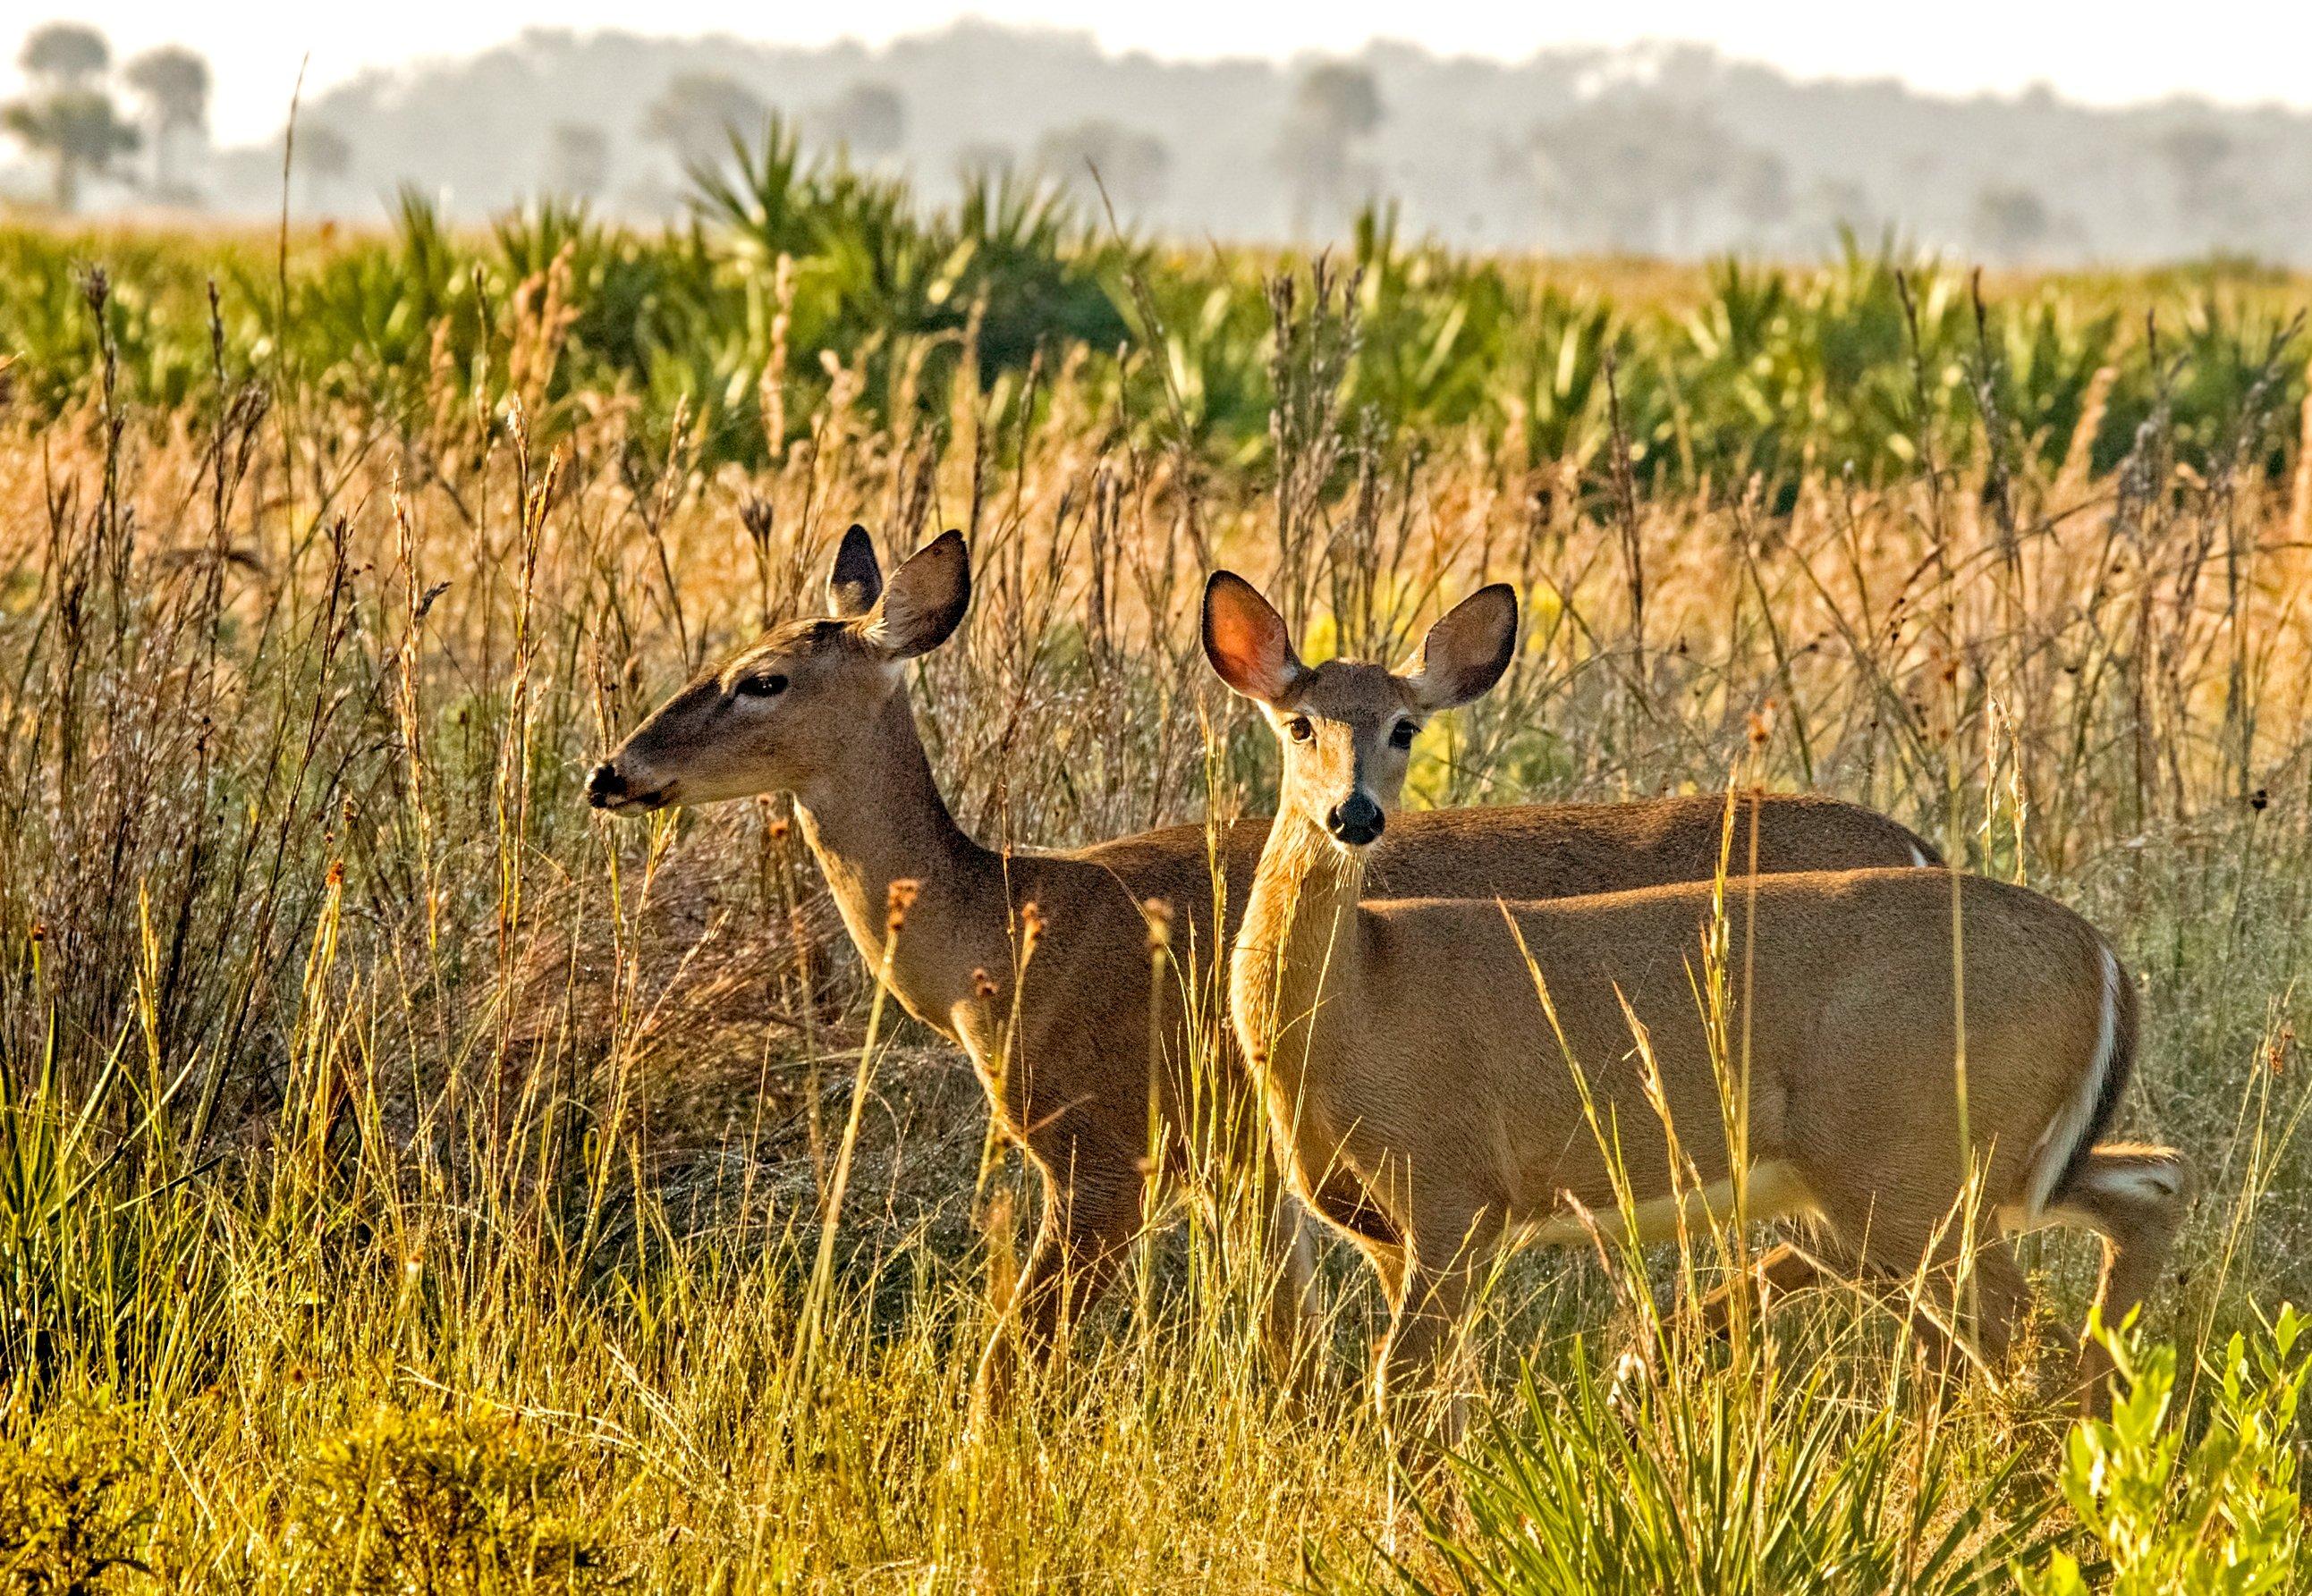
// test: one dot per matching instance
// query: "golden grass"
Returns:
(422, 1164)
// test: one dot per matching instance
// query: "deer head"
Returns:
(1347, 727)
(777, 715)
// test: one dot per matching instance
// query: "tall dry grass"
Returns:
(401, 1169)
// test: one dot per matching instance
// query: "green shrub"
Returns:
(787, 270)
(2220, 1516)
(77, 1503)
(434, 1504)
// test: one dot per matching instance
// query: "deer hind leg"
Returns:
(1983, 1307)
(1084, 1234)
(1963, 1310)
(2135, 1198)
(1961, 1290)
(1779, 1271)
(1994, 1298)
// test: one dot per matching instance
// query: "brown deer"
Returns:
(819, 708)
(1435, 1095)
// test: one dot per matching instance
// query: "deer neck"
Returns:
(878, 818)
(1297, 954)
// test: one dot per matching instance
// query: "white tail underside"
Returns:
(2063, 1135)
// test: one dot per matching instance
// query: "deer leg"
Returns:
(1996, 1298)
(2135, 1200)
(1777, 1272)
(1389, 1262)
(1427, 1309)
(1083, 1237)
(1948, 1272)
(1963, 1309)
(1291, 1317)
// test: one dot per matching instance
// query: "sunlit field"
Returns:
(411, 1180)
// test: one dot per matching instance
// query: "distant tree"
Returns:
(68, 117)
(63, 56)
(1342, 97)
(696, 114)
(77, 130)
(985, 161)
(1131, 165)
(173, 82)
(2143, 182)
(577, 159)
(1335, 107)
(1628, 171)
(2212, 205)
(325, 156)
(869, 120)
(1761, 191)
(2011, 221)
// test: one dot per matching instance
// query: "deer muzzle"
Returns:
(1356, 820)
(607, 788)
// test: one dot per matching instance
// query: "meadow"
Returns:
(410, 1181)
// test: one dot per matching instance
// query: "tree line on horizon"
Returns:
(1668, 151)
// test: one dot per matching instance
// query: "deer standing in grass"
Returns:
(1444, 1078)
(820, 709)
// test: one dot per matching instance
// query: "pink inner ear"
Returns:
(1252, 645)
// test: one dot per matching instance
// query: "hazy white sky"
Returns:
(2233, 50)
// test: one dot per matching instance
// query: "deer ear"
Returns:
(854, 581)
(1246, 641)
(1466, 653)
(925, 600)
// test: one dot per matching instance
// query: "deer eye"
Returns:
(1402, 734)
(767, 685)
(1298, 729)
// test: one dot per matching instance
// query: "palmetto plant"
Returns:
(1863, 364)
(1694, 1490)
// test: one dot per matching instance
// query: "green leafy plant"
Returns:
(439, 1504)
(2220, 1514)
(787, 265)
(78, 1502)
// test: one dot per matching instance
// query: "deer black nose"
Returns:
(1355, 820)
(605, 786)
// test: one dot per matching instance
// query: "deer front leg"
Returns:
(1290, 1320)
(1430, 1303)
(1083, 1237)
(1421, 1418)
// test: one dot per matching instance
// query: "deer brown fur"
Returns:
(820, 709)
(1444, 1076)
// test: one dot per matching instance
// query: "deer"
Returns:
(1447, 1077)
(818, 708)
